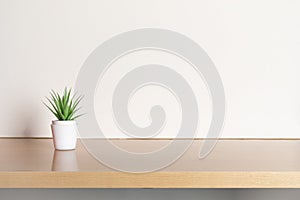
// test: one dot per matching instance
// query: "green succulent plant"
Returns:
(64, 106)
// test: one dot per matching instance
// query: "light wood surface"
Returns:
(33, 163)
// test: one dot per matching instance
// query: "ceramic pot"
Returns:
(64, 134)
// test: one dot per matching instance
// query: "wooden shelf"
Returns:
(33, 163)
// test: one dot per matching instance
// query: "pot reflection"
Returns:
(64, 161)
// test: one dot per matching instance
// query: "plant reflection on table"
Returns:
(64, 161)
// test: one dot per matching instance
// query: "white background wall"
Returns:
(254, 44)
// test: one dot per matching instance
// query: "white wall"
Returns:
(254, 44)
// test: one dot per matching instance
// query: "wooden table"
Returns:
(33, 163)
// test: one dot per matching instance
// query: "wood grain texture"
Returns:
(33, 163)
(150, 180)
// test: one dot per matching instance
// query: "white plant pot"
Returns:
(64, 134)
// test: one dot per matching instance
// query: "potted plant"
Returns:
(64, 129)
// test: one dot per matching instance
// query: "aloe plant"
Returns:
(64, 106)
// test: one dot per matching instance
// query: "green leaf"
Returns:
(68, 96)
(54, 107)
(51, 110)
(64, 106)
(77, 116)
